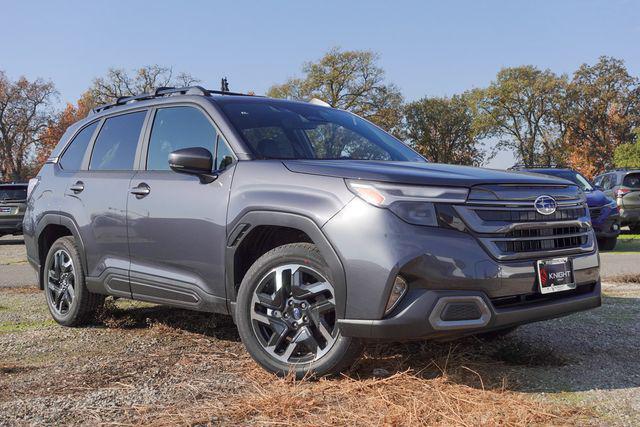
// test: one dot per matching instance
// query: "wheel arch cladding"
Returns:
(50, 228)
(257, 232)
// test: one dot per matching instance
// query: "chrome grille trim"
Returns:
(568, 231)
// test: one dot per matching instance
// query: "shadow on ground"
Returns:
(581, 352)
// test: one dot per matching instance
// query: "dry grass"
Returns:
(193, 370)
(624, 278)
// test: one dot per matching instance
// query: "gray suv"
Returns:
(313, 228)
(623, 185)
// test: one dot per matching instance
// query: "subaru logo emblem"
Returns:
(297, 313)
(545, 205)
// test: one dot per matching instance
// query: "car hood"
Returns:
(418, 173)
(597, 198)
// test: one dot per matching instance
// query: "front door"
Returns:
(176, 224)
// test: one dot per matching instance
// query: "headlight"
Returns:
(412, 203)
(33, 183)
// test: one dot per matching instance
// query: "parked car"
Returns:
(602, 209)
(313, 228)
(13, 198)
(623, 185)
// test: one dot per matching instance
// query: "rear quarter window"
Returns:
(74, 154)
(632, 180)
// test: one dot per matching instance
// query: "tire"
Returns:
(281, 331)
(634, 228)
(69, 301)
(496, 335)
(607, 244)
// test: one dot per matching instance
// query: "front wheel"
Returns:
(635, 228)
(286, 314)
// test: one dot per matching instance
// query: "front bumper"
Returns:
(11, 225)
(376, 246)
(417, 321)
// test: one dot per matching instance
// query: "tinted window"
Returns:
(224, 156)
(632, 180)
(73, 155)
(175, 128)
(289, 130)
(13, 192)
(115, 146)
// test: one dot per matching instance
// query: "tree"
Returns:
(24, 113)
(521, 109)
(603, 108)
(118, 82)
(58, 124)
(349, 80)
(442, 130)
(628, 155)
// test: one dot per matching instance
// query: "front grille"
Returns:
(510, 228)
(505, 215)
(545, 232)
(542, 245)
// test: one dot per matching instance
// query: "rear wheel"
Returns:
(286, 314)
(69, 301)
(607, 244)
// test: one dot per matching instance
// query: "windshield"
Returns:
(572, 176)
(13, 192)
(288, 130)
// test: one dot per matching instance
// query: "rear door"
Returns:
(96, 197)
(177, 224)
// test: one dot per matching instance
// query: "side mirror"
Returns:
(194, 161)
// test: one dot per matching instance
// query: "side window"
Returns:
(72, 158)
(607, 182)
(115, 146)
(224, 155)
(175, 128)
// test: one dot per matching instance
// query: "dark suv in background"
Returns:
(312, 227)
(623, 185)
(602, 209)
(13, 199)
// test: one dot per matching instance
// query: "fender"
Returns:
(253, 219)
(65, 221)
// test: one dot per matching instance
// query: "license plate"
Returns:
(5, 210)
(555, 275)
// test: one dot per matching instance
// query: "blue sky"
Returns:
(427, 48)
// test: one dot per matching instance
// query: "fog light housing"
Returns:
(398, 290)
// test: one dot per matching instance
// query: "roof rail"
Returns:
(627, 168)
(165, 91)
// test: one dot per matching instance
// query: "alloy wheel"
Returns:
(293, 314)
(61, 280)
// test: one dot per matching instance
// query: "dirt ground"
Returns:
(144, 364)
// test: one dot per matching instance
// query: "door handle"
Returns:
(141, 190)
(77, 187)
